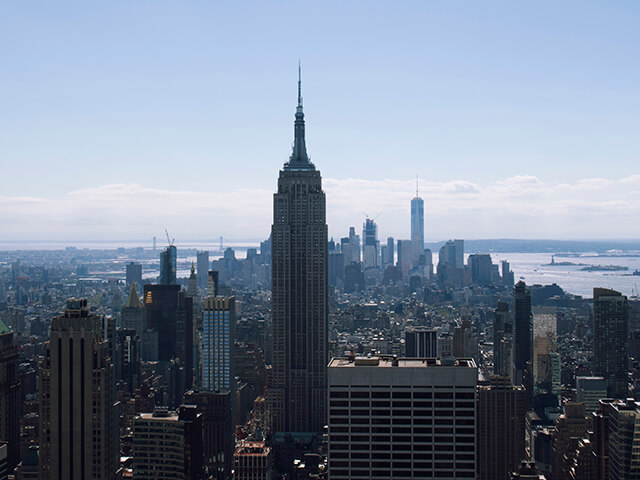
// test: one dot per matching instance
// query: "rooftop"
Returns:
(391, 361)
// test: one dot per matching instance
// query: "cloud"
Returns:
(521, 206)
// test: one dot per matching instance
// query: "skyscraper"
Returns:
(133, 273)
(298, 394)
(395, 418)
(370, 244)
(502, 340)
(9, 396)
(417, 227)
(168, 259)
(218, 340)
(77, 413)
(421, 342)
(501, 428)
(523, 340)
(611, 340)
(203, 270)
(170, 314)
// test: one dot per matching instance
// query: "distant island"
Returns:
(604, 268)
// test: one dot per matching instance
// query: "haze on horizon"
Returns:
(118, 120)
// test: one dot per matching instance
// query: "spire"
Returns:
(299, 159)
(133, 301)
(299, 85)
(417, 186)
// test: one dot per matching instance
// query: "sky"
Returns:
(120, 119)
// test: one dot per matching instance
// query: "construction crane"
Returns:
(168, 239)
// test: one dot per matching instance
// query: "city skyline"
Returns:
(509, 130)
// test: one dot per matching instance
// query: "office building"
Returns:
(132, 315)
(78, 434)
(168, 266)
(167, 445)
(395, 417)
(502, 335)
(623, 439)
(133, 274)
(421, 342)
(10, 397)
(217, 429)
(501, 415)
(404, 256)
(218, 344)
(610, 340)
(570, 426)
(202, 263)
(169, 313)
(127, 362)
(506, 274)
(297, 397)
(523, 340)
(370, 244)
(590, 390)
(417, 227)
(451, 263)
(252, 461)
(481, 268)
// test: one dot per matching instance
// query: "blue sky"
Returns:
(194, 101)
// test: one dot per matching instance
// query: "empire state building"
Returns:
(298, 394)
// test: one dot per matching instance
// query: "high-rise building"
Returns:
(132, 316)
(170, 314)
(611, 340)
(570, 426)
(481, 268)
(417, 227)
(390, 256)
(451, 263)
(370, 244)
(421, 342)
(217, 429)
(168, 445)
(133, 273)
(252, 461)
(404, 256)
(395, 417)
(218, 344)
(523, 340)
(10, 405)
(298, 394)
(590, 390)
(168, 266)
(623, 439)
(501, 419)
(78, 432)
(202, 263)
(502, 339)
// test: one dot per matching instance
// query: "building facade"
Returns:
(78, 434)
(417, 228)
(297, 396)
(395, 417)
(501, 415)
(218, 344)
(611, 340)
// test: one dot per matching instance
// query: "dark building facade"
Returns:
(168, 266)
(78, 434)
(523, 340)
(501, 415)
(10, 411)
(170, 313)
(133, 274)
(298, 394)
(611, 340)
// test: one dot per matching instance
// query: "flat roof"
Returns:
(391, 362)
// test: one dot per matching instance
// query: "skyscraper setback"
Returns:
(298, 394)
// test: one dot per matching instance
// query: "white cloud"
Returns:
(521, 206)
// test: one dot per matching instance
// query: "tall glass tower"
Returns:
(298, 394)
(417, 227)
